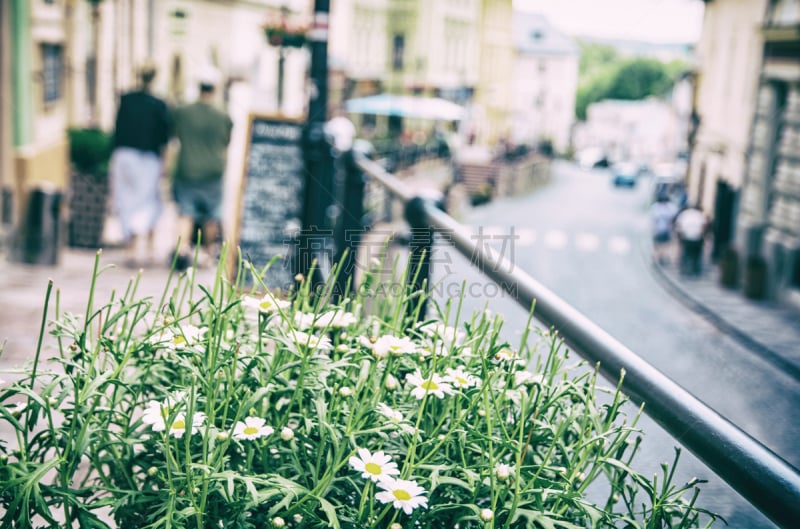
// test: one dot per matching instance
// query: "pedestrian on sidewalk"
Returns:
(690, 225)
(662, 217)
(141, 132)
(204, 132)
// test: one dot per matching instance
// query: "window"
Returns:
(52, 72)
(398, 49)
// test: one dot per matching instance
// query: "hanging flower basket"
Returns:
(285, 36)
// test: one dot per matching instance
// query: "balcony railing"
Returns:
(762, 477)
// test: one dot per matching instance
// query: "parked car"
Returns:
(625, 174)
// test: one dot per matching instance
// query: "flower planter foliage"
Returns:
(207, 408)
(90, 150)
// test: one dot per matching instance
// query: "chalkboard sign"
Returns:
(271, 198)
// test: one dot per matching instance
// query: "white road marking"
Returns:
(555, 239)
(619, 245)
(587, 242)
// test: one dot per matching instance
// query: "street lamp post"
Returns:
(318, 211)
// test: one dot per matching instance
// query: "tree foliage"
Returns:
(605, 74)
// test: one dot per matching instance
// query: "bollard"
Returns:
(40, 232)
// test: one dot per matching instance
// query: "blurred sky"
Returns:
(673, 21)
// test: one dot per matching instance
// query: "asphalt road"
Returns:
(588, 242)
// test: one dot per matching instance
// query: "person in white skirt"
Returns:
(141, 133)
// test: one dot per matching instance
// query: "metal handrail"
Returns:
(762, 477)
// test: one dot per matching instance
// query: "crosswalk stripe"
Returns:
(619, 245)
(587, 242)
(555, 239)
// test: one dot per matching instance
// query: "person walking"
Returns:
(204, 132)
(690, 225)
(662, 216)
(141, 133)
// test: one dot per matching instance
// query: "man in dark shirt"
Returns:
(204, 132)
(141, 133)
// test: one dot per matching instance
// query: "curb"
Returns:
(765, 352)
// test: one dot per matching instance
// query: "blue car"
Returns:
(625, 175)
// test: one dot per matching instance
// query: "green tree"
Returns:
(604, 74)
(639, 78)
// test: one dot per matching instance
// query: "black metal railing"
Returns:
(762, 477)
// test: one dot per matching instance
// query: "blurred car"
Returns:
(625, 174)
(592, 157)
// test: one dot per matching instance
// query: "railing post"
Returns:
(351, 226)
(420, 249)
(419, 263)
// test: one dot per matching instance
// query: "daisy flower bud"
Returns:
(223, 436)
(345, 391)
(298, 517)
(395, 525)
(287, 434)
(502, 471)
(278, 522)
(391, 383)
(152, 471)
(487, 515)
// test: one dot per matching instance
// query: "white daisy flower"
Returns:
(178, 426)
(388, 344)
(526, 377)
(268, 304)
(335, 319)
(251, 428)
(449, 336)
(402, 494)
(377, 466)
(320, 343)
(304, 320)
(487, 515)
(390, 413)
(157, 413)
(435, 384)
(184, 336)
(505, 354)
(460, 378)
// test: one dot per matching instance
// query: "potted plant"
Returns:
(729, 267)
(90, 151)
(217, 406)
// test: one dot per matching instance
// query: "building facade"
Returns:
(745, 166)
(769, 213)
(545, 83)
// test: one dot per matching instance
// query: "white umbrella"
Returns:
(434, 108)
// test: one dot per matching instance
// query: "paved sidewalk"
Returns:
(23, 289)
(769, 330)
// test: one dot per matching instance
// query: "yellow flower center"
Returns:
(463, 381)
(180, 424)
(401, 495)
(250, 430)
(265, 305)
(165, 411)
(373, 468)
(429, 385)
(178, 339)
